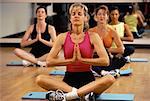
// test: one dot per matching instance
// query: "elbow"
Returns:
(49, 62)
(22, 45)
(107, 62)
(16, 51)
(122, 50)
(131, 39)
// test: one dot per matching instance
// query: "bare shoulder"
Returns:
(125, 25)
(94, 36)
(110, 29)
(62, 36)
(92, 29)
(51, 27)
(31, 27)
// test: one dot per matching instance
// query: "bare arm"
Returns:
(141, 14)
(51, 58)
(140, 20)
(118, 42)
(103, 59)
(26, 41)
(129, 36)
(52, 33)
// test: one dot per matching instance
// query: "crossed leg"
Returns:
(98, 86)
(28, 56)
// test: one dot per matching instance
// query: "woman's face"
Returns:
(77, 16)
(114, 15)
(41, 14)
(101, 16)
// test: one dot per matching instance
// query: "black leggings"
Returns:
(128, 50)
(115, 63)
(136, 35)
(78, 79)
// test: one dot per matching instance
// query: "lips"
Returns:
(76, 20)
(101, 19)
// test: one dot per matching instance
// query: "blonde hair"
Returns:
(86, 25)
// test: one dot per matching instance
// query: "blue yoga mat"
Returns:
(102, 97)
(126, 72)
(62, 73)
(15, 63)
(57, 72)
(35, 95)
(139, 60)
(115, 97)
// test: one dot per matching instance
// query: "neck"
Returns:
(102, 26)
(41, 22)
(77, 29)
(115, 22)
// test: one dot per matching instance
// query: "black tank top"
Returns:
(38, 48)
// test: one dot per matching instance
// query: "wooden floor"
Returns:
(15, 81)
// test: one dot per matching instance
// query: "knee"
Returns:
(110, 79)
(39, 79)
(132, 49)
(16, 51)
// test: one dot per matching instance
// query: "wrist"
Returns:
(40, 39)
(81, 59)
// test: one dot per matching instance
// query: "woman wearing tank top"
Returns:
(40, 37)
(78, 45)
(122, 30)
(132, 19)
(108, 35)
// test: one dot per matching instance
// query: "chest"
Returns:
(77, 38)
(107, 38)
(85, 46)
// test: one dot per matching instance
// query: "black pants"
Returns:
(78, 79)
(140, 30)
(136, 35)
(115, 63)
(128, 50)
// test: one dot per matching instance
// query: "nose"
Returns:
(76, 15)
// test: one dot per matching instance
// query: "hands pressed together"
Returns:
(76, 53)
(39, 37)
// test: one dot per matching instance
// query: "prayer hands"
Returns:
(77, 53)
(39, 37)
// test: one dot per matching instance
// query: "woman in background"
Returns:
(122, 30)
(40, 37)
(108, 36)
(132, 19)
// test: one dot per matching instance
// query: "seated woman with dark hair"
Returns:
(122, 30)
(40, 36)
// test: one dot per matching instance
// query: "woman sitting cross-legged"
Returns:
(78, 45)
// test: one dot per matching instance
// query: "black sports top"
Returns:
(38, 48)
